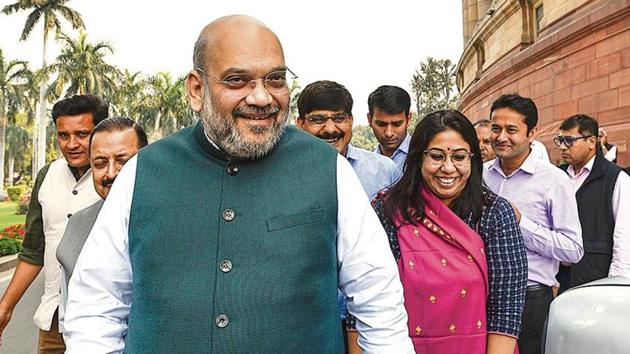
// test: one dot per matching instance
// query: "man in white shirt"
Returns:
(239, 229)
(603, 196)
(62, 188)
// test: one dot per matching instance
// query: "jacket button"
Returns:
(225, 266)
(69, 216)
(221, 320)
(232, 170)
(75, 192)
(228, 214)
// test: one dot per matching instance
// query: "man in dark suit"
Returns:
(602, 193)
(112, 143)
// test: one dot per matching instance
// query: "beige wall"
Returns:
(503, 39)
(555, 9)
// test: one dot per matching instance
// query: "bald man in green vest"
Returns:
(233, 235)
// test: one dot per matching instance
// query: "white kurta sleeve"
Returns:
(368, 274)
(620, 264)
(99, 291)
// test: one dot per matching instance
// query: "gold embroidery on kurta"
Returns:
(411, 264)
(444, 261)
(416, 232)
(432, 298)
(479, 324)
(463, 292)
(452, 328)
(418, 330)
(470, 258)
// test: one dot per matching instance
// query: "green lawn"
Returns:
(7, 215)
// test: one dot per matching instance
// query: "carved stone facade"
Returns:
(569, 56)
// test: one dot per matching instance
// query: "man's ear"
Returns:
(299, 122)
(369, 117)
(409, 116)
(195, 88)
(532, 134)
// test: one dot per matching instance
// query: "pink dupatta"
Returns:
(444, 274)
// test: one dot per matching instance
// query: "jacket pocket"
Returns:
(302, 218)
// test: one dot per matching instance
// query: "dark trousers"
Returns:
(564, 278)
(535, 313)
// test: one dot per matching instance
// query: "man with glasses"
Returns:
(233, 235)
(544, 203)
(603, 196)
(325, 111)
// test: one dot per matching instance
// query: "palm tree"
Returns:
(16, 145)
(14, 78)
(81, 68)
(50, 11)
(165, 106)
(127, 98)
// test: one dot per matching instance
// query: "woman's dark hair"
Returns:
(405, 194)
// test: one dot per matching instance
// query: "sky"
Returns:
(359, 44)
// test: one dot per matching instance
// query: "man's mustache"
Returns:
(335, 135)
(254, 110)
(107, 182)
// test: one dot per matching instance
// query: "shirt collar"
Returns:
(351, 154)
(587, 168)
(75, 172)
(528, 166)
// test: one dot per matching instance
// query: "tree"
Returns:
(294, 92)
(81, 68)
(14, 77)
(433, 86)
(50, 11)
(16, 145)
(165, 106)
(363, 137)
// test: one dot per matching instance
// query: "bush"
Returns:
(14, 231)
(22, 204)
(15, 192)
(9, 246)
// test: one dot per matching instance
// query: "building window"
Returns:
(540, 13)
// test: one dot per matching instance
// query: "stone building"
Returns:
(570, 56)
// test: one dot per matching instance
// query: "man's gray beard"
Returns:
(223, 132)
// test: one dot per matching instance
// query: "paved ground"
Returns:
(20, 337)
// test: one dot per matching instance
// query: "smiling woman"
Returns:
(459, 248)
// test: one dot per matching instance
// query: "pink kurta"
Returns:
(445, 278)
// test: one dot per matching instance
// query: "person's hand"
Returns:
(5, 317)
(516, 212)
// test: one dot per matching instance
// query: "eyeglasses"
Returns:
(320, 120)
(568, 141)
(438, 157)
(241, 85)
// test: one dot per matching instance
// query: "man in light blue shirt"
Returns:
(389, 118)
(325, 111)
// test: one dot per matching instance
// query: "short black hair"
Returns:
(80, 104)
(324, 95)
(522, 105)
(120, 124)
(587, 126)
(390, 99)
(483, 123)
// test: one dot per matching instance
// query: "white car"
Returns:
(593, 318)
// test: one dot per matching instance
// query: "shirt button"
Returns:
(75, 192)
(222, 320)
(232, 170)
(228, 214)
(69, 216)
(225, 266)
